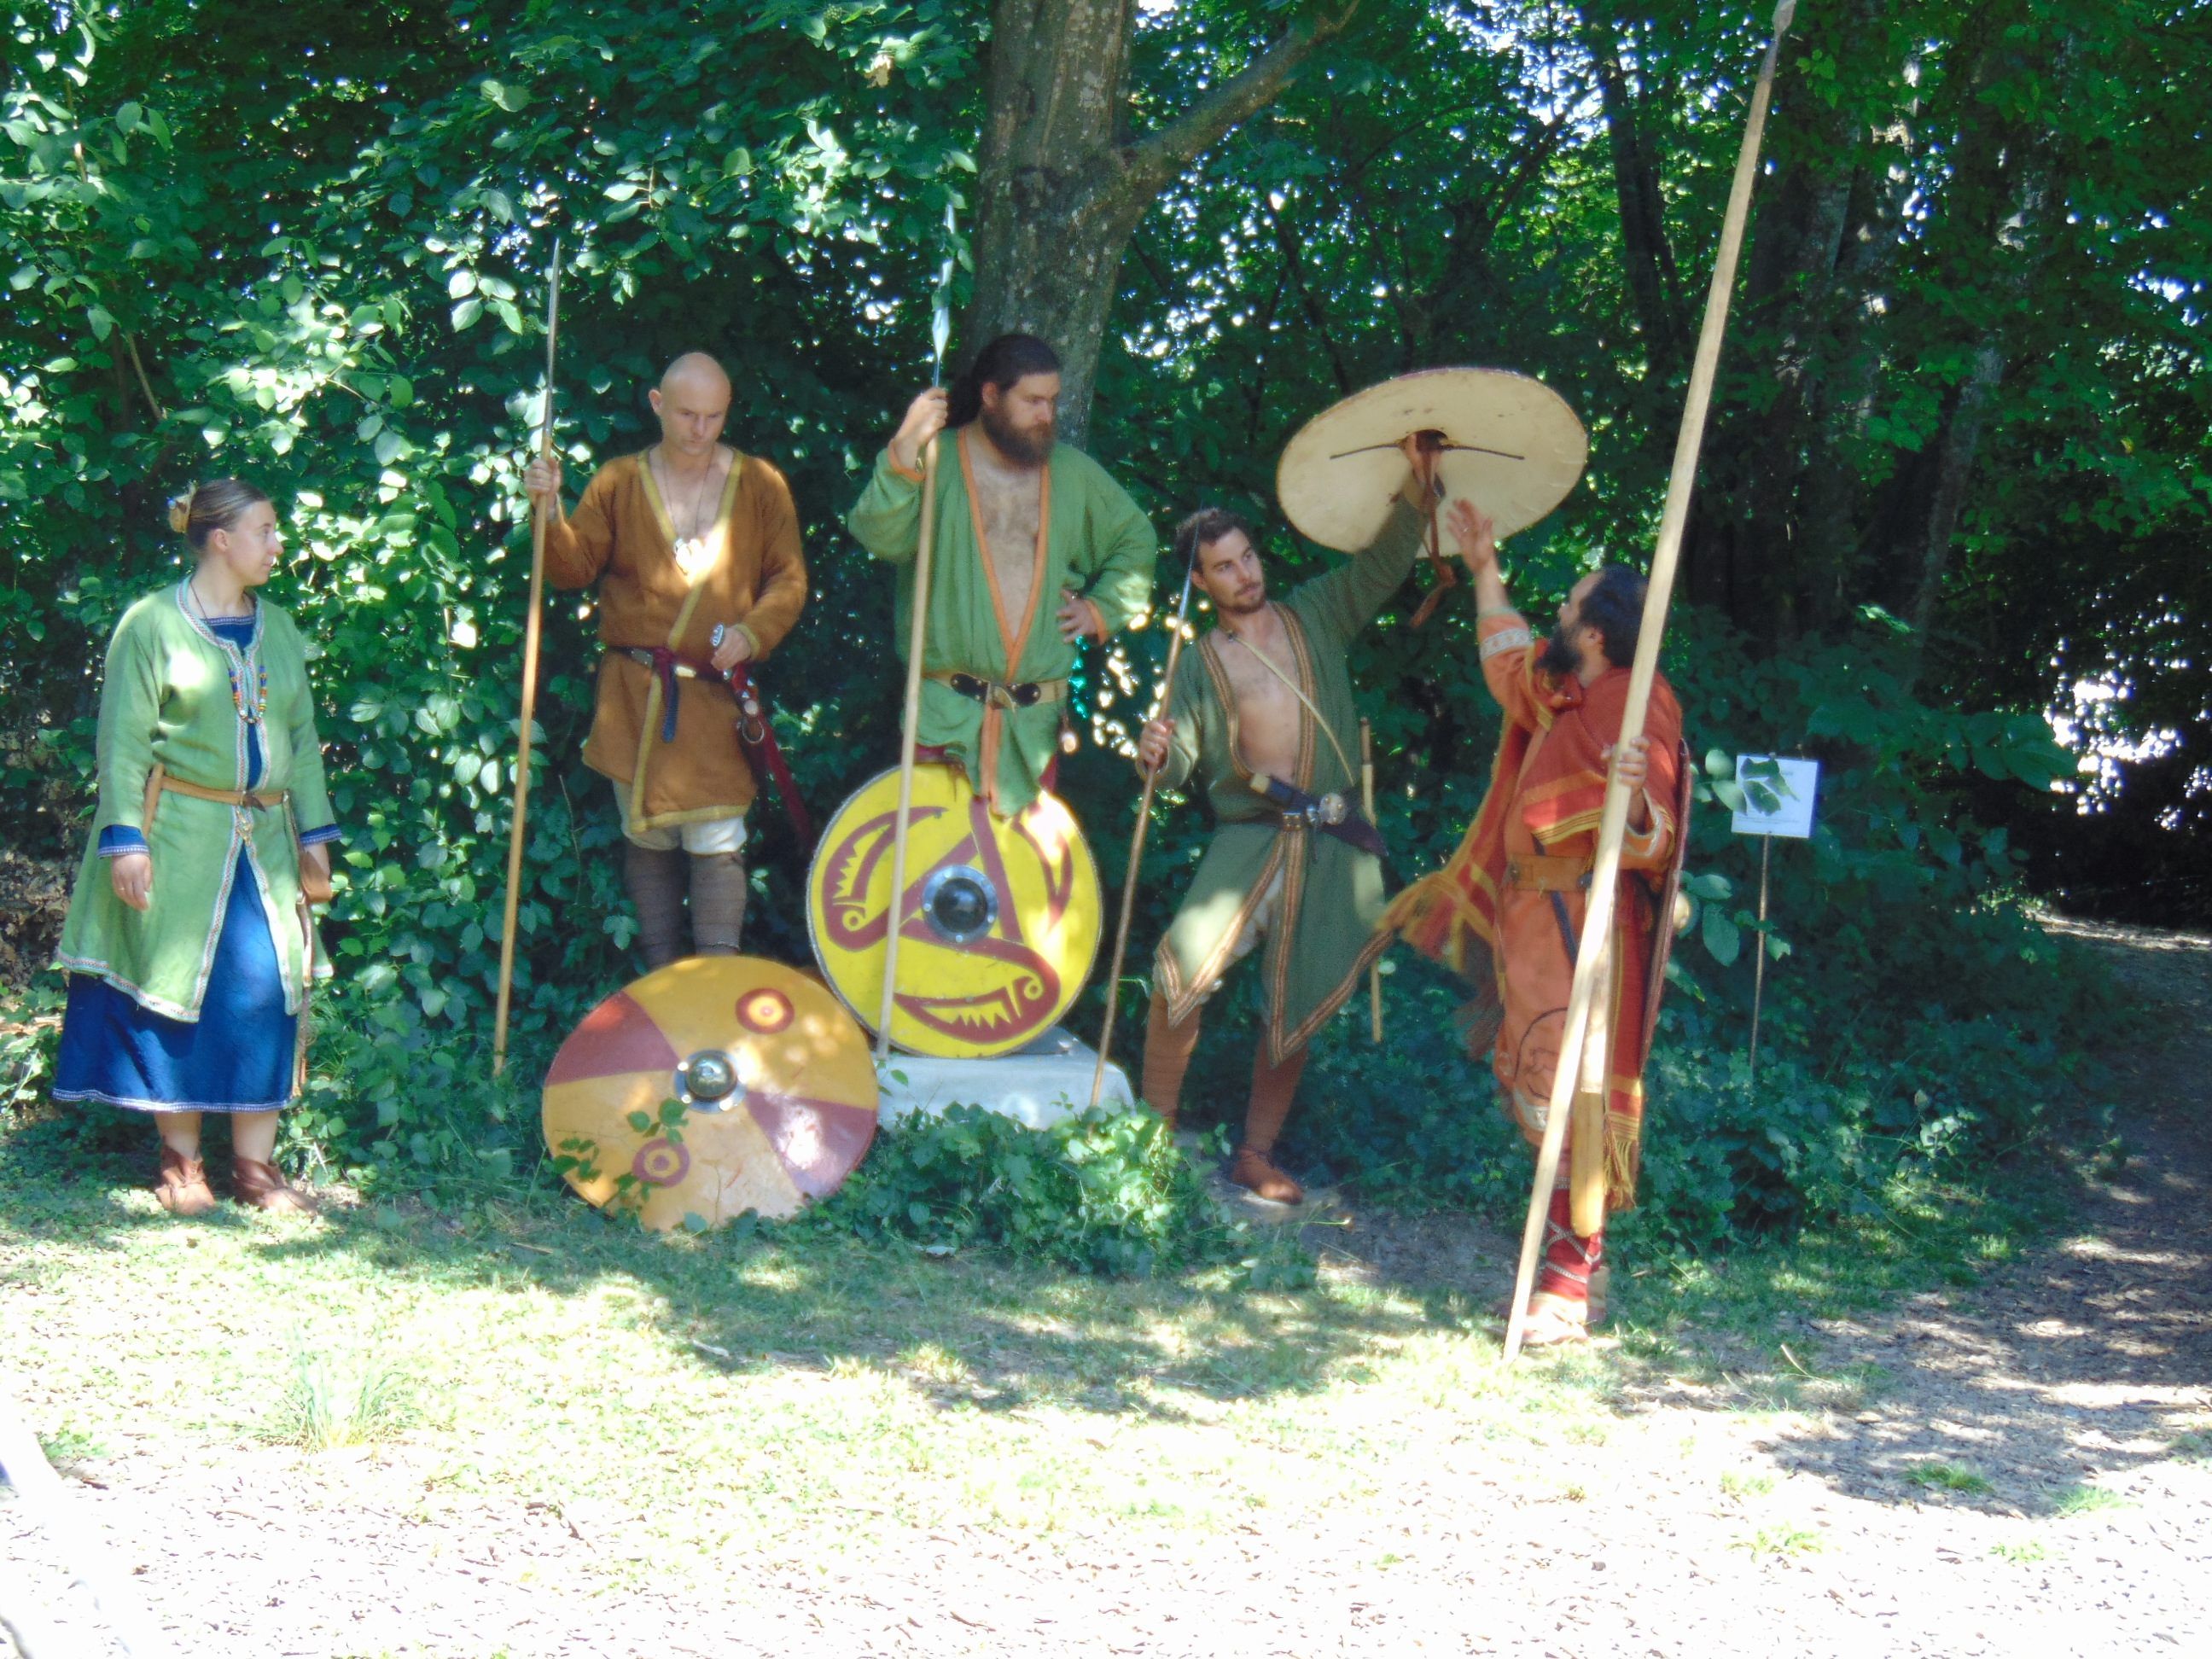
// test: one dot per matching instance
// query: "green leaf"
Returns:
(103, 322)
(1724, 939)
(466, 312)
(641, 1122)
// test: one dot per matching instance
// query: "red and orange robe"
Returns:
(1515, 890)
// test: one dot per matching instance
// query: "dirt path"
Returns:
(2064, 1396)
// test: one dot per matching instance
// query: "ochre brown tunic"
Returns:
(751, 575)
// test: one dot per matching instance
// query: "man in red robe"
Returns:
(1513, 895)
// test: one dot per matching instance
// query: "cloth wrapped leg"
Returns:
(718, 903)
(654, 879)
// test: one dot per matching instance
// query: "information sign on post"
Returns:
(1776, 793)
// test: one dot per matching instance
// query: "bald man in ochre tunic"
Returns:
(695, 547)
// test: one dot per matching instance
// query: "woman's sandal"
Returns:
(261, 1187)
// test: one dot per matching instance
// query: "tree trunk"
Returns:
(1062, 184)
(1653, 283)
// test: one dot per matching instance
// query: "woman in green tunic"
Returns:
(189, 945)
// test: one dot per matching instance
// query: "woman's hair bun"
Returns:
(181, 511)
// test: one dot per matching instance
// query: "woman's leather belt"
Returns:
(158, 782)
(1025, 694)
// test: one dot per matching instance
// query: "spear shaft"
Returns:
(539, 518)
(1605, 876)
(1136, 842)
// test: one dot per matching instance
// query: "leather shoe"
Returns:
(182, 1188)
(261, 1187)
(1257, 1173)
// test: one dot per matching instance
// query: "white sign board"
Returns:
(1794, 782)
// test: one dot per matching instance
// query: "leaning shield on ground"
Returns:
(999, 926)
(710, 1087)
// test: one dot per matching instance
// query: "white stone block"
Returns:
(1038, 1085)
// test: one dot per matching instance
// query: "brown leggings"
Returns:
(1168, 1048)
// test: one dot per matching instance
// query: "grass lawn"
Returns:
(808, 1393)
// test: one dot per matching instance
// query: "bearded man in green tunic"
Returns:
(1262, 709)
(1035, 550)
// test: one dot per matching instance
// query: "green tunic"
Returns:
(1332, 892)
(167, 700)
(1094, 539)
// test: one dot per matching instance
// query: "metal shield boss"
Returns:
(999, 925)
(711, 1086)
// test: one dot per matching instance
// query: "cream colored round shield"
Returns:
(1510, 445)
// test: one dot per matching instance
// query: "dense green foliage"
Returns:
(1106, 1193)
(323, 269)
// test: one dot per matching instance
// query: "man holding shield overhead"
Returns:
(1036, 550)
(695, 550)
(1508, 908)
(1262, 709)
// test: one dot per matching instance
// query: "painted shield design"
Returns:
(999, 925)
(711, 1086)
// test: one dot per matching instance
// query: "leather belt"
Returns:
(1536, 872)
(1027, 694)
(1330, 815)
(755, 736)
(159, 783)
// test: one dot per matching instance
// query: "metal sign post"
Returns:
(1778, 794)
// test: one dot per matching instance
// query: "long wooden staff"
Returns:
(1367, 800)
(538, 519)
(1137, 842)
(1598, 919)
(917, 634)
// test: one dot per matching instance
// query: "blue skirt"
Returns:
(239, 1056)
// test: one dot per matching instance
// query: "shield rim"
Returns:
(868, 1022)
(1284, 497)
(800, 982)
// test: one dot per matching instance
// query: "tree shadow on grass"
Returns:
(974, 1330)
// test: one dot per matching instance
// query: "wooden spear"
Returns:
(1367, 800)
(538, 519)
(1605, 878)
(917, 635)
(1137, 839)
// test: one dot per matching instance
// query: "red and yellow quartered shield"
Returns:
(711, 1086)
(998, 924)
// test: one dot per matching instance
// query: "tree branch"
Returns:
(1149, 164)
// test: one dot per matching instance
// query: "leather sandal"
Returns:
(261, 1187)
(1554, 1322)
(182, 1187)
(1257, 1174)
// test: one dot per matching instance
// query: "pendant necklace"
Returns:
(691, 550)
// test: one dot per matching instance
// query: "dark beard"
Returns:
(1030, 449)
(1558, 658)
(1228, 607)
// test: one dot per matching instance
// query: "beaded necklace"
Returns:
(235, 662)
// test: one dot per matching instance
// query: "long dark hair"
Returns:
(1614, 606)
(1001, 363)
(216, 505)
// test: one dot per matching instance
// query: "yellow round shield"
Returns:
(711, 1086)
(997, 926)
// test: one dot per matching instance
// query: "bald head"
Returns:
(693, 401)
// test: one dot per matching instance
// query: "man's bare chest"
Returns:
(1008, 510)
(1262, 689)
